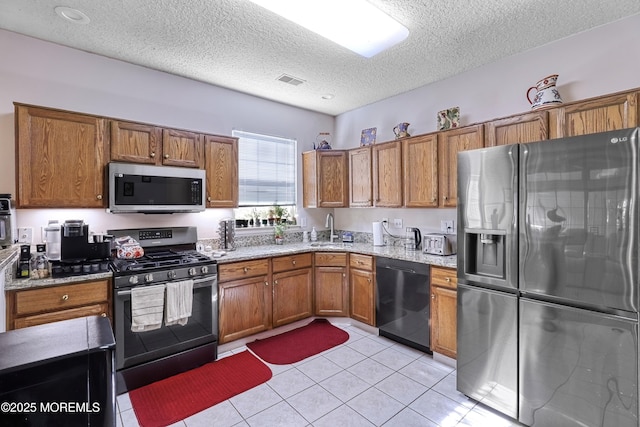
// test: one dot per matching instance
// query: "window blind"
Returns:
(266, 170)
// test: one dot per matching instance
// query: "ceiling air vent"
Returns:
(285, 78)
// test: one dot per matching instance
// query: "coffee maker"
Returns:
(7, 221)
(79, 255)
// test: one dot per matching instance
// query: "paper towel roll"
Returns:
(378, 240)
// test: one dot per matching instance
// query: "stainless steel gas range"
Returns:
(169, 256)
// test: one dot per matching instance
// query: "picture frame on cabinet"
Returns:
(368, 136)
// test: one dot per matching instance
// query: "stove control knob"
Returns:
(133, 280)
(148, 277)
(204, 269)
(192, 271)
(171, 274)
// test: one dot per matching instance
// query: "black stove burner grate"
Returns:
(160, 259)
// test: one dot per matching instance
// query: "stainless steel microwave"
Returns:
(135, 188)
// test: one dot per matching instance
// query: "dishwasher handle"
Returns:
(396, 268)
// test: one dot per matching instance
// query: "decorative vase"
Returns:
(323, 141)
(546, 93)
(400, 131)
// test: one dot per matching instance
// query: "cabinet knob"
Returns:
(208, 199)
(99, 197)
(275, 282)
(246, 270)
(166, 156)
(447, 279)
(293, 262)
(344, 275)
(153, 154)
(104, 315)
(65, 297)
(433, 296)
(266, 283)
(369, 280)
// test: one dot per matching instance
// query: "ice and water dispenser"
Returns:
(485, 253)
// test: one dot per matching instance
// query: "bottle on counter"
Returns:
(39, 263)
(314, 235)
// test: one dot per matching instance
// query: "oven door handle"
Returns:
(197, 283)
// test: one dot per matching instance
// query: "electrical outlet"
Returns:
(25, 235)
(303, 221)
(447, 226)
(397, 223)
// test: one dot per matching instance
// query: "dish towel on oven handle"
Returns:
(179, 302)
(147, 307)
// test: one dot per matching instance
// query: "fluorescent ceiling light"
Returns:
(354, 24)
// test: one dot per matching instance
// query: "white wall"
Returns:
(42, 73)
(593, 63)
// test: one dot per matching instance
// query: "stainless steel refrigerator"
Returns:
(548, 279)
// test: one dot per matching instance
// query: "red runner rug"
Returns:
(175, 398)
(298, 344)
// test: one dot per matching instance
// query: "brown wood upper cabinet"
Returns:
(601, 114)
(135, 142)
(529, 127)
(387, 175)
(59, 158)
(420, 162)
(221, 164)
(360, 178)
(144, 143)
(451, 142)
(324, 179)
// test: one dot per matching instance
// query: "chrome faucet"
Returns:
(329, 223)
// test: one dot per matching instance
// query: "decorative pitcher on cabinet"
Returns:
(546, 93)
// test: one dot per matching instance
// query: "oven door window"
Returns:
(134, 348)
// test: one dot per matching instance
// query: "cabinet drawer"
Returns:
(55, 316)
(290, 262)
(240, 270)
(442, 276)
(363, 262)
(331, 259)
(61, 297)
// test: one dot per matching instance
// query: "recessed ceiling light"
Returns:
(354, 24)
(72, 15)
(328, 96)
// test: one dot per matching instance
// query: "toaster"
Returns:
(439, 244)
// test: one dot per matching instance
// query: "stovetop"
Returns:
(163, 259)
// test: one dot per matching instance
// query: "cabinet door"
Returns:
(292, 296)
(449, 144)
(387, 181)
(360, 179)
(444, 321)
(331, 297)
(60, 159)
(520, 129)
(221, 164)
(245, 307)
(597, 115)
(332, 179)
(309, 180)
(362, 303)
(420, 162)
(182, 148)
(135, 142)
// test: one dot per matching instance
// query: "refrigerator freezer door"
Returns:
(577, 367)
(488, 348)
(579, 221)
(487, 212)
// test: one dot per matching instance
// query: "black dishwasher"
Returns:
(402, 302)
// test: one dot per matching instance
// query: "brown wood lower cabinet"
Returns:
(362, 288)
(444, 311)
(331, 286)
(36, 306)
(257, 295)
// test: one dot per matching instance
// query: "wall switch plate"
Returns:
(25, 235)
(397, 223)
(303, 221)
(447, 226)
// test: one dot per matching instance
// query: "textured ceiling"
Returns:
(238, 45)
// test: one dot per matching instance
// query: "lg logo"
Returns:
(616, 140)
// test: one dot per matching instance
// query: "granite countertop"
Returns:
(253, 252)
(9, 255)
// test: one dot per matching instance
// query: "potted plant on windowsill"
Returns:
(278, 233)
(280, 214)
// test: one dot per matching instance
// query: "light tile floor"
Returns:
(367, 381)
